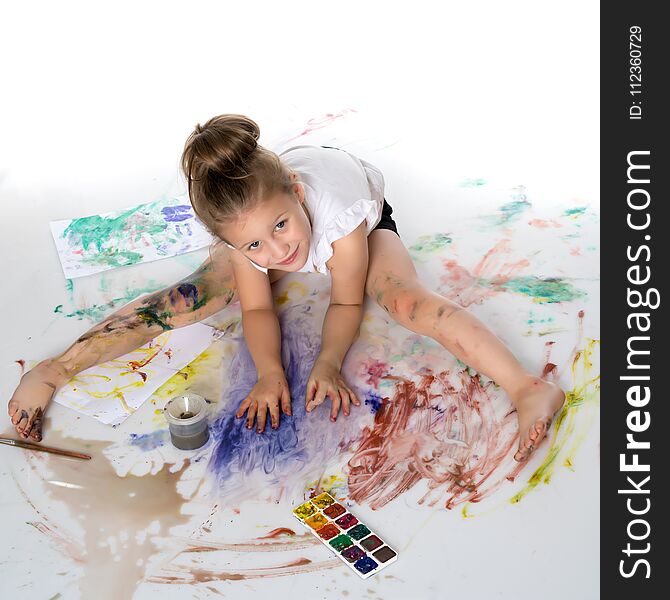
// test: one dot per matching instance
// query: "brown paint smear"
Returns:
(453, 436)
(107, 505)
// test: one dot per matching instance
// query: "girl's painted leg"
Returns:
(393, 283)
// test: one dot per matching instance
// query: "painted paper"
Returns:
(114, 390)
(134, 235)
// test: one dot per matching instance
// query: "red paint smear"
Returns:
(542, 224)
(22, 364)
(138, 364)
(168, 353)
(464, 287)
(316, 124)
(277, 532)
(549, 368)
(199, 575)
(375, 370)
(453, 437)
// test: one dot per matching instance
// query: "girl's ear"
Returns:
(298, 189)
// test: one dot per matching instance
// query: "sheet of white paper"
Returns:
(139, 234)
(112, 391)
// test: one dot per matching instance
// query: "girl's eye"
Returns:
(280, 225)
(254, 245)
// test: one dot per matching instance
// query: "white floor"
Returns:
(459, 108)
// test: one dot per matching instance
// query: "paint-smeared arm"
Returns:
(348, 269)
(192, 299)
(206, 291)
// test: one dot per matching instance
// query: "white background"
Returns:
(98, 99)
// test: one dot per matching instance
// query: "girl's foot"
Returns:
(536, 402)
(31, 398)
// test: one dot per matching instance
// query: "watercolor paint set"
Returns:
(352, 541)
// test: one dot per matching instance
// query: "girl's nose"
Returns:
(279, 250)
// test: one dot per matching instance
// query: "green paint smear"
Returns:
(575, 212)
(469, 183)
(508, 212)
(431, 243)
(544, 291)
(149, 315)
(98, 311)
(99, 235)
(573, 422)
(98, 230)
(114, 258)
(533, 321)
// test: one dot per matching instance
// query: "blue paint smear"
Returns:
(189, 292)
(150, 441)
(302, 443)
(373, 400)
(179, 212)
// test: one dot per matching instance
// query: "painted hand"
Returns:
(31, 398)
(270, 391)
(326, 380)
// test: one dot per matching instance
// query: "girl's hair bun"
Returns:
(224, 144)
(227, 171)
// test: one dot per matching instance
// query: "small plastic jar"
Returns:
(186, 415)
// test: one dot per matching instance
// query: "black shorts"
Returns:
(386, 221)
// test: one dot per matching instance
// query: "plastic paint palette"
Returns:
(352, 541)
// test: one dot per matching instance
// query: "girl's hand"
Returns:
(326, 380)
(270, 390)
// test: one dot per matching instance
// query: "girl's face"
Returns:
(275, 234)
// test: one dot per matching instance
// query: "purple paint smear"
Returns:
(179, 212)
(244, 461)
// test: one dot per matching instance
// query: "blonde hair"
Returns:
(227, 171)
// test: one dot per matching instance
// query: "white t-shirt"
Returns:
(341, 191)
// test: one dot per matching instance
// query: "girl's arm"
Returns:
(348, 269)
(263, 337)
(201, 294)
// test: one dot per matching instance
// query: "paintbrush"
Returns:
(31, 446)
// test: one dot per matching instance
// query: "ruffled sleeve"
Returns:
(341, 225)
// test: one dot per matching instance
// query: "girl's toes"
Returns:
(523, 452)
(539, 431)
(20, 420)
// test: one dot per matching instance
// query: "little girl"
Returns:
(308, 209)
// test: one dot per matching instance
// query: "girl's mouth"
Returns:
(290, 259)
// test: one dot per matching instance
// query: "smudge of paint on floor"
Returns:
(430, 243)
(448, 433)
(373, 400)
(493, 275)
(541, 290)
(189, 576)
(116, 514)
(583, 398)
(302, 443)
(150, 441)
(575, 212)
(476, 182)
(509, 212)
